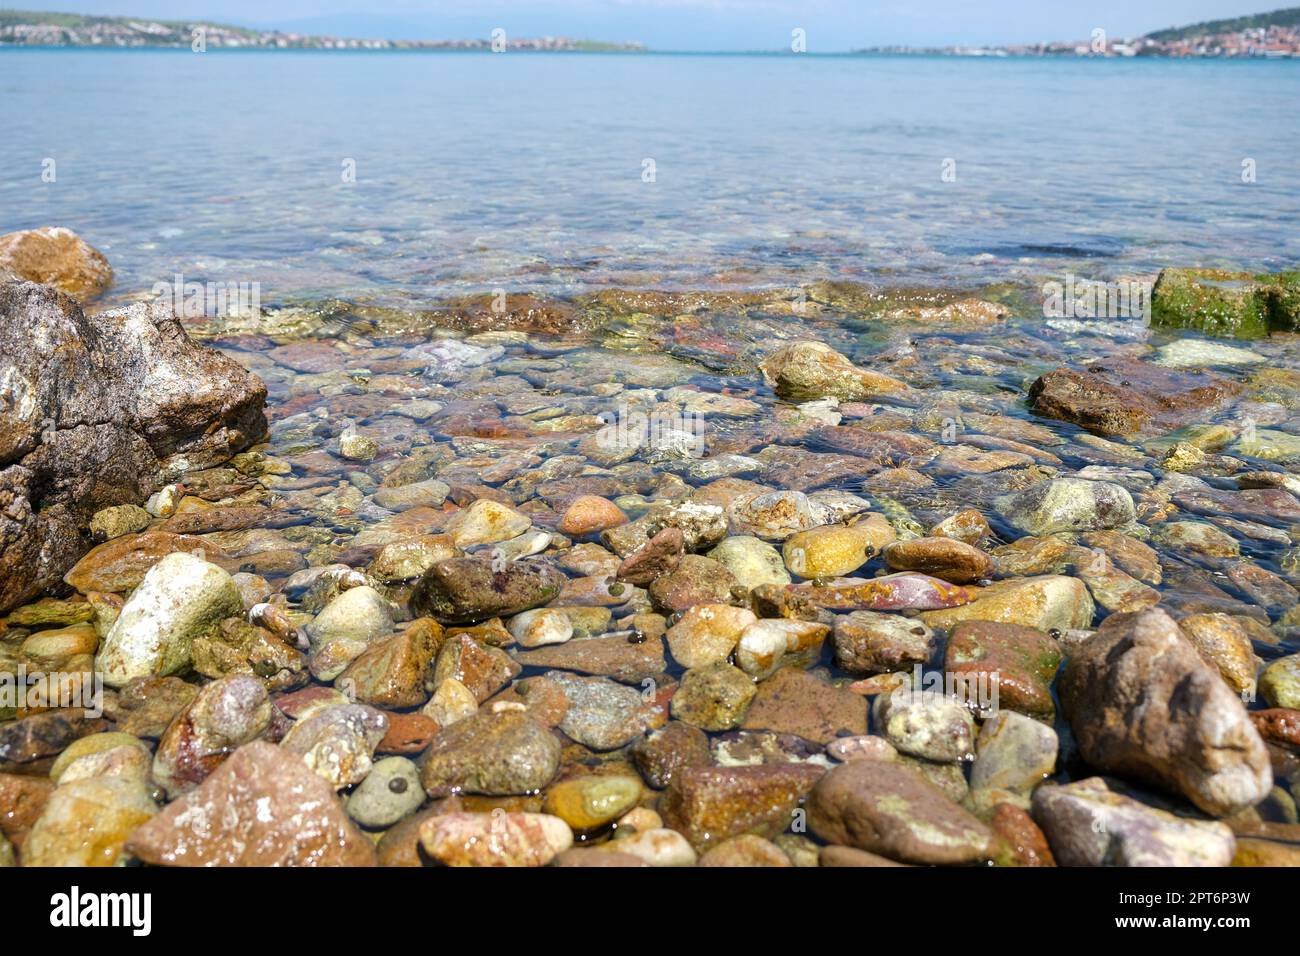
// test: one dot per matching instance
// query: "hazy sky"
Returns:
(697, 24)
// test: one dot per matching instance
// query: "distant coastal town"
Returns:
(28, 28)
(1267, 35)
(1273, 35)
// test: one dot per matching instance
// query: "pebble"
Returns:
(1013, 752)
(389, 792)
(766, 646)
(592, 802)
(833, 551)
(541, 626)
(338, 742)
(944, 558)
(666, 752)
(709, 805)
(1279, 684)
(486, 522)
(1017, 664)
(868, 642)
(498, 838)
(713, 697)
(885, 808)
(180, 598)
(926, 724)
(262, 807)
(114, 522)
(1087, 824)
(492, 753)
(745, 850)
(590, 514)
(226, 714)
(751, 561)
(661, 847)
(1068, 504)
(358, 614)
(87, 823)
(707, 633)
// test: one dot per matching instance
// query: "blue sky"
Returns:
(831, 25)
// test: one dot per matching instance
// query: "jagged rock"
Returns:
(99, 411)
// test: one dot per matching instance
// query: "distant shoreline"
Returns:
(783, 54)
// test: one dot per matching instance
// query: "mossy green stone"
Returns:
(1224, 303)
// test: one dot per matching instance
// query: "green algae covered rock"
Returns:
(1224, 303)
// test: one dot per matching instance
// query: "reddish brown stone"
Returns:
(1278, 725)
(407, 733)
(22, 799)
(263, 807)
(710, 804)
(1017, 839)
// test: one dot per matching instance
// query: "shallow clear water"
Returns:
(524, 172)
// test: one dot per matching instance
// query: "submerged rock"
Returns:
(495, 839)
(1219, 302)
(807, 371)
(886, 808)
(262, 807)
(180, 599)
(1142, 703)
(493, 753)
(464, 590)
(102, 408)
(1068, 504)
(1087, 824)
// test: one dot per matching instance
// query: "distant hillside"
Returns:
(1290, 17)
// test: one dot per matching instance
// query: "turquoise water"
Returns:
(525, 172)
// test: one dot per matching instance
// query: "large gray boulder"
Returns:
(98, 411)
(1143, 704)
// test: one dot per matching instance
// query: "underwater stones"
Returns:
(464, 590)
(590, 514)
(589, 803)
(904, 591)
(181, 597)
(1142, 703)
(659, 555)
(87, 822)
(867, 642)
(1279, 684)
(886, 808)
(390, 792)
(502, 753)
(751, 561)
(480, 668)
(713, 697)
(707, 633)
(666, 752)
(618, 655)
(1014, 753)
(695, 580)
(1021, 661)
(225, 715)
(831, 551)
(486, 522)
(926, 725)
(602, 714)
(940, 557)
(709, 805)
(1046, 603)
(393, 672)
(495, 839)
(1127, 398)
(795, 701)
(1088, 824)
(766, 646)
(808, 371)
(1068, 504)
(262, 807)
(337, 742)
(774, 515)
(358, 614)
